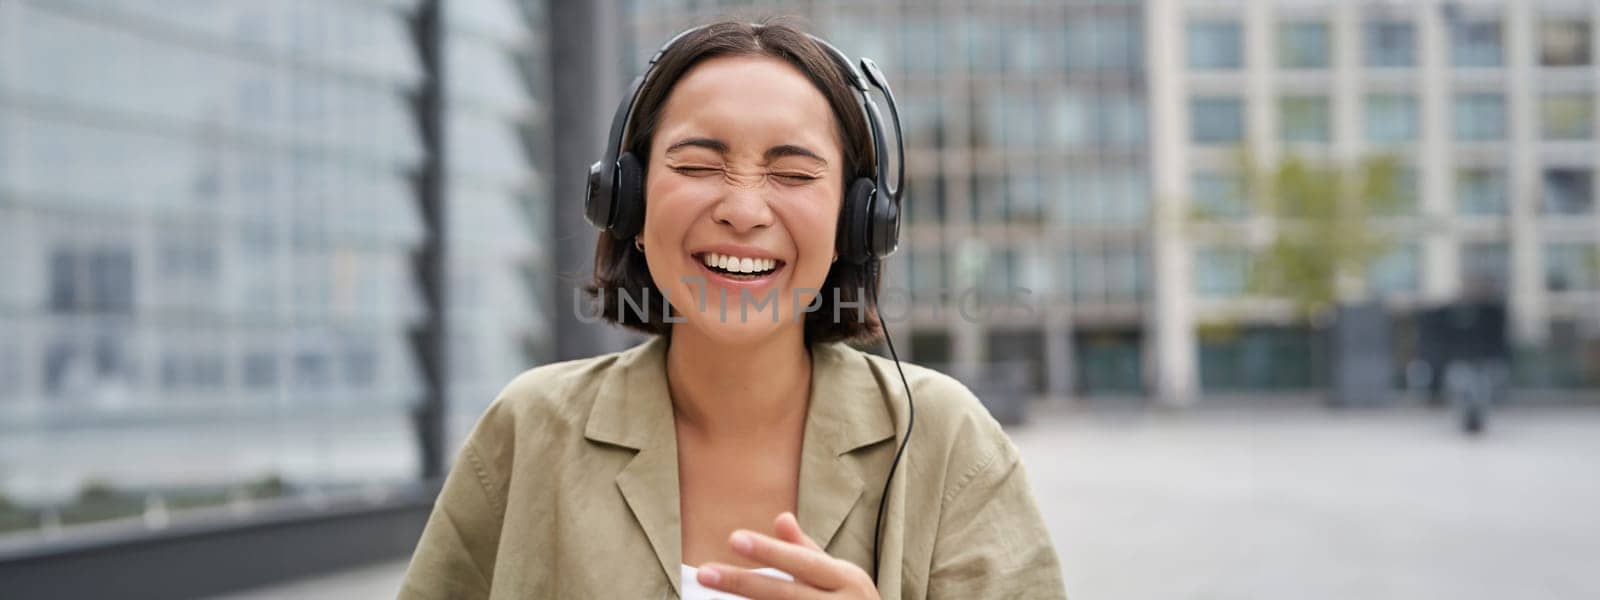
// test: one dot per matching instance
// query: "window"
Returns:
(1216, 120)
(1257, 358)
(64, 286)
(1219, 195)
(1120, 120)
(1390, 44)
(1214, 45)
(1305, 118)
(1568, 191)
(1071, 115)
(1222, 271)
(1119, 43)
(1567, 116)
(1480, 116)
(1481, 192)
(1564, 42)
(1391, 117)
(1405, 194)
(1476, 44)
(96, 280)
(1570, 266)
(1395, 270)
(1303, 46)
(920, 44)
(260, 370)
(1484, 267)
(1124, 275)
(1087, 273)
(927, 274)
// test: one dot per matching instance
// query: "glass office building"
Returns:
(1489, 105)
(209, 219)
(1026, 139)
(1059, 146)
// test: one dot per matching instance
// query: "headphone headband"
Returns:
(883, 227)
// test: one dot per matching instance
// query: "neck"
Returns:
(744, 390)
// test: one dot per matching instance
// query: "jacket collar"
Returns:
(849, 409)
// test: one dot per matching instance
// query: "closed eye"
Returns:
(797, 178)
(696, 171)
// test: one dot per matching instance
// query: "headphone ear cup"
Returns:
(884, 225)
(854, 222)
(598, 199)
(627, 219)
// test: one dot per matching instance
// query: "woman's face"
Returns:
(742, 195)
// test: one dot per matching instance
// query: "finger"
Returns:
(750, 584)
(807, 565)
(788, 530)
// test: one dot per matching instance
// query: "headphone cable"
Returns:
(911, 414)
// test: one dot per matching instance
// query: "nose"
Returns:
(742, 210)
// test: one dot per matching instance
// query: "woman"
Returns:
(745, 437)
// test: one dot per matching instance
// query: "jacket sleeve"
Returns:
(992, 541)
(455, 558)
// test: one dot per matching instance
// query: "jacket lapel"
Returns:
(848, 410)
(633, 409)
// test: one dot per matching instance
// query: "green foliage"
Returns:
(1325, 239)
(96, 490)
(269, 486)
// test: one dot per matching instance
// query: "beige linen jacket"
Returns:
(568, 487)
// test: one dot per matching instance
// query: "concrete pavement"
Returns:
(1266, 500)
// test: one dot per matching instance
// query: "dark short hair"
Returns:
(620, 269)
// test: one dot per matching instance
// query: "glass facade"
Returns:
(1390, 44)
(208, 216)
(1481, 192)
(1476, 44)
(1303, 45)
(1480, 116)
(1567, 116)
(1221, 271)
(1568, 191)
(1214, 45)
(1219, 194)
(1485, 268)
(1026, 126)
(1564, 42)
(1396, 271)
(1304, 119)
(1391, 118)
(1571, 266)
(1256, 359)
(1216, 120)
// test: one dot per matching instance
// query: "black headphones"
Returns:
(869, 220)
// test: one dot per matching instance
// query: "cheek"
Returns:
(812, 224)
(668, 209)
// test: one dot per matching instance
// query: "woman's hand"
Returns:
(816, 575)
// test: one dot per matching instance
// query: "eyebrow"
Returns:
(721, 147)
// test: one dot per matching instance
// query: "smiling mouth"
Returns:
(739, 268)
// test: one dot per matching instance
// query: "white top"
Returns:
(692, 590)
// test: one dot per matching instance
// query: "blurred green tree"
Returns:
(1324, 236)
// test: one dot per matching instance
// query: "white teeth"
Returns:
(736, 264)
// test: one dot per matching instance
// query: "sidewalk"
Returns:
(1263, 501)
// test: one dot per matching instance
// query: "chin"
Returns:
(757, 327)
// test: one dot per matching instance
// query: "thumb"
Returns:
(788, 530)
